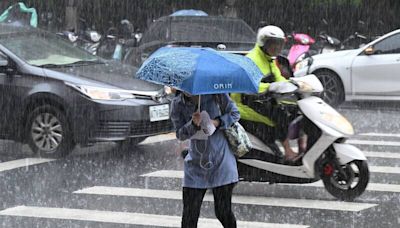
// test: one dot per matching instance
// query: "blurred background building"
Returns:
(344, 16)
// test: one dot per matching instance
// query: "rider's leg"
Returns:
(289, 153)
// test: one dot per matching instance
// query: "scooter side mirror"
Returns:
(369, 50)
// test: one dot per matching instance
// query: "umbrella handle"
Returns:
(198, 105)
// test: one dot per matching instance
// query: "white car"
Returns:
(371, 72)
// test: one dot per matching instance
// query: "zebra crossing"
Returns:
(255, 204)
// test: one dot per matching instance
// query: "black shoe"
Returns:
(296, 161)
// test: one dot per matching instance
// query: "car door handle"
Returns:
(398, 59)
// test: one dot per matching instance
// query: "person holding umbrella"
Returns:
(210, 164)
(201, 112)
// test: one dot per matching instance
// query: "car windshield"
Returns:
(211, 29)
(40, 49)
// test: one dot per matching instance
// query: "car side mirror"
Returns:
(369, 50)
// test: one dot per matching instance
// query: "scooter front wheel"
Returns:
(348, 183)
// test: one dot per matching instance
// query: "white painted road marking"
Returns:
(237, 199)
(171, 136)
(165, 173)
(381, 154)
(373, 143)
(125, 217)
(159, 138)
(15, 164)
(371, 186)
(379, 134)
(384, 169)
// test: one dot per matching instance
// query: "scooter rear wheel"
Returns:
(349, 186)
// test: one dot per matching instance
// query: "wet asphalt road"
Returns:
(53, 185)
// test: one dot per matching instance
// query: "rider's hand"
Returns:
(295, 83)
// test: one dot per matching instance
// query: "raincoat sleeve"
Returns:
(247, 113)
(231, 113)
(184, 130)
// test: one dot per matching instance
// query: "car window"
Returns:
(157, 31)
(390, 45)
(211, 30)
(38, 49)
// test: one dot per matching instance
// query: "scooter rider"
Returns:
(266, 121)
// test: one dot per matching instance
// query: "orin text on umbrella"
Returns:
(223, 86)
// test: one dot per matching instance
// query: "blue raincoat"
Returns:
(209, 163)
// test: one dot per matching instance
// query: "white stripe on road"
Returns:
(379, 134)
(9, 165)
(371, 186)
(171, 136)
(237, 199)
(369, 153)
(179, 174)
(372, 143)
(384, 169)
(124, 217)
(165, 173)
(159, 138)
(381, 154)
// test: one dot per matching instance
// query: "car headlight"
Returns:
(99, 93)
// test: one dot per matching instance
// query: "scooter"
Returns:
(117, 41)
(85, 38)
(300, 48)
(324, 42)
(357, 39)
(342, 167)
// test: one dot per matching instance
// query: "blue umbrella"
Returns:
(189, 12)
(201, 71)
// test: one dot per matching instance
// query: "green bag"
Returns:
(239, 141)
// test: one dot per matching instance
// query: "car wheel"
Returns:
(48, 132)
(333, 89)
(130, 143)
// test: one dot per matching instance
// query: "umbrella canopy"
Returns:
(201, 71)
(189, 12)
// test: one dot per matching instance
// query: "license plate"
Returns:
(159, 112)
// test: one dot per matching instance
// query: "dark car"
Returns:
(221, 33)
(54, 96)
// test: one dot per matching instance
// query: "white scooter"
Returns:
(342, 167)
